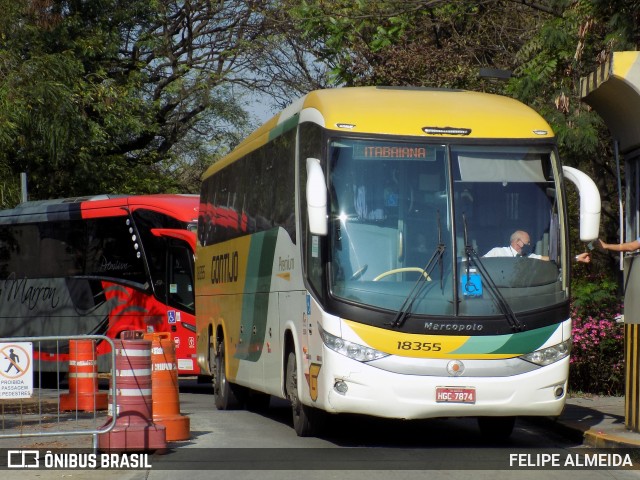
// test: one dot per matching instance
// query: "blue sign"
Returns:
(471, 285)
(171, 316)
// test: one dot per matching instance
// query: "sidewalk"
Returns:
(596, 421)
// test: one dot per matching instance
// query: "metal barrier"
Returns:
(24, 409)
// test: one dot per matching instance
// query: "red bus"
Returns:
(99, 265)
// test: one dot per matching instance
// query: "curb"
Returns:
(615, 437)
(619, 439)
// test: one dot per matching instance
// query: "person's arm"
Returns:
(621, 247)
(584, 257)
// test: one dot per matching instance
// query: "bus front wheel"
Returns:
(305, 419)
(225, 394)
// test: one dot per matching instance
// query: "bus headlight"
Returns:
(350, 349)
(549, 355)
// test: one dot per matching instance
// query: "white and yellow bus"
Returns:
(340, 260)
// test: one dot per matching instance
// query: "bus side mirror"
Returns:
(316, 198)
(589, 203)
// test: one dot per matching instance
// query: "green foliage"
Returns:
(437, 43)
(99, 96)
(352, 34)
(594, 295)
(10, 193)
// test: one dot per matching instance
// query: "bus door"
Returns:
(295, 306)
(180, 296)
(289, 309)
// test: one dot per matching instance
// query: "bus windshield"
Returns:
(413, 223)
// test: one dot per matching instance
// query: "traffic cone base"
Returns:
(178, 427)
(86, 402)
(133, 438)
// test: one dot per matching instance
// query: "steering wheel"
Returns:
(401, 270)
(358, 273)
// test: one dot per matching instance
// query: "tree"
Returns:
(105, 96)
(421, 42)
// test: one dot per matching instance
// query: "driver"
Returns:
(519, 246)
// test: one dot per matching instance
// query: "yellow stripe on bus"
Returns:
(416, 345)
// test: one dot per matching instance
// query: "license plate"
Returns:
(455, 395)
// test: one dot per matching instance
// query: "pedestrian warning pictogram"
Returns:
(16, 378)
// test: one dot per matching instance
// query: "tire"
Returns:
(305, 419)
(496, 429)
(225, 394)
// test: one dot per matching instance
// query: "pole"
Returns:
(616, 151)
(23, 184)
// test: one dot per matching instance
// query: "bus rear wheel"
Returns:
(225, 394)
(497, 429)
(305, 419)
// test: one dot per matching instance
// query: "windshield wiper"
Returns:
(436, 258)
(500, 301)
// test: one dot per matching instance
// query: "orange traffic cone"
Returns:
(164, 387)
(83, 379)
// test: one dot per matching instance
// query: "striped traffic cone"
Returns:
(134, 429)
(83, 379)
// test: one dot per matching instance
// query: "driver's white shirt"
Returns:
(507, 252)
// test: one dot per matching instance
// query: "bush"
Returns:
(597, 355)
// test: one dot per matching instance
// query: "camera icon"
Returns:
(23, 459)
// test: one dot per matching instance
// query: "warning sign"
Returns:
(16, 378)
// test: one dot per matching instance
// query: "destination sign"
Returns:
(392, 151)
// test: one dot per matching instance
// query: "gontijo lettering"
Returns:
(224, 268)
